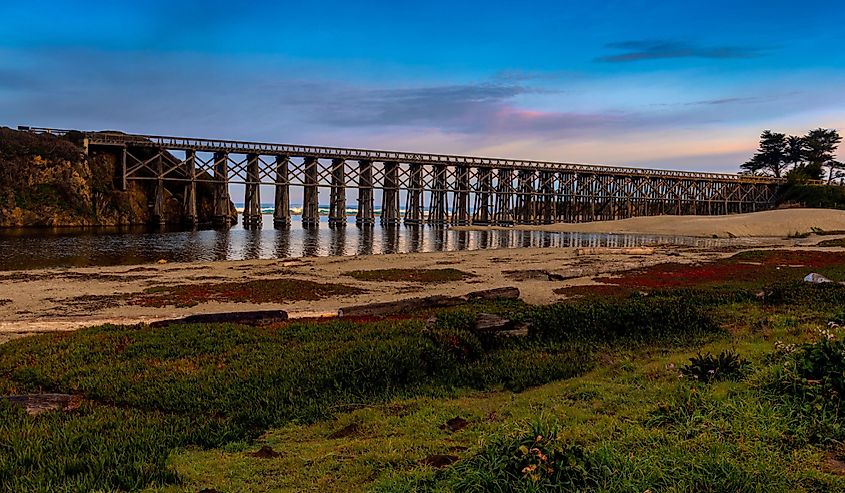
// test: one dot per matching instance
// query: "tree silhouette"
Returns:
(819, 149)
(771, 157)
(795, 150)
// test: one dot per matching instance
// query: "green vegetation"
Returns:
(411, 275)
(595, 398)
(798, 158)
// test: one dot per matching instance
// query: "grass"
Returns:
(411, 275)
(258, 291)
(347, 406)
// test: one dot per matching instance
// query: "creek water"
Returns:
(69, 247)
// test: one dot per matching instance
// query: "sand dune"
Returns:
(776, 223)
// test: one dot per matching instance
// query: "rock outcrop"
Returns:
(47, 180)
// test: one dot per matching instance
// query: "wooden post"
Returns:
(281, 211)
(390, 194)
(222, 213)
(366, 213)
(310, 198)
(337, 205)
(252, 197)
(414, 205)
(190, 196)
(439, 201)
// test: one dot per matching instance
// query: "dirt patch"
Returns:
(265, 452)
(411, 275)
(86, 303)
(257, 291)
(35, 404)
(439, 460)
(455, 424)
(344, 432)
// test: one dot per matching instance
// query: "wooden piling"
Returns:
(414, 201)
(222, 213)
(252, 196)
(189, 205)
(337, 203)
(310, 196)
(390, 195)
(366, 212)
(281, 211)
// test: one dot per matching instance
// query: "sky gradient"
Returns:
(680, 85)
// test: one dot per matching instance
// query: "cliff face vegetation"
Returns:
(47, 180)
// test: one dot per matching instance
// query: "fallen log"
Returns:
(257, 318)
(614, 251)
(490, 323)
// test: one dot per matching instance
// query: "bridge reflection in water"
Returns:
(38, 249)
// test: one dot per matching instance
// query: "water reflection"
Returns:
(20, 249)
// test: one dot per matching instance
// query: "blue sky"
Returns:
(685, 85)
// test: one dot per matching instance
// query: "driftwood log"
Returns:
(490, 323)
(258, 317)
(614, 251)
(401, 306)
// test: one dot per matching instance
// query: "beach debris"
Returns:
(410, 304)
(35, 404)
(614, 251)
(256, 318)
(161, 261)
(439, 460)
(816, 278)
(265, 452)
(492, 323)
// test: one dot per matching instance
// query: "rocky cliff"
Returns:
(47, 180)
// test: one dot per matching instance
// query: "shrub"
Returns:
(534, 460)
(727, 365)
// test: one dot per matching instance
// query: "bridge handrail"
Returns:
(220, 145)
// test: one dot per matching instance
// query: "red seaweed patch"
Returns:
(751, 269)
(257, 291)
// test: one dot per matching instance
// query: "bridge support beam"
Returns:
(503, 215)
(414, 202)
(158, 202)
(366, 214)
(390, 194)
(460, 194)
(281, 211)
(252, 196)
(337, 203)
(310, 197)
(439, 202)
(481, 213)
(222, 214)
(190, 196)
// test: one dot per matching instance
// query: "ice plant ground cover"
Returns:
(593, 399)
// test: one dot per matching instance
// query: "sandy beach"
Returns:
(67, 299)
(776, 223)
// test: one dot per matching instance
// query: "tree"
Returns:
(819, 149)
(795, 150)
(771, 157)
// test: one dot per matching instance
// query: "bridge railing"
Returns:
(237, 146)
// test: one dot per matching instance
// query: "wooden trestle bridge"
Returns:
(436, 189)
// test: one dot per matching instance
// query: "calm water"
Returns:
(27, 249)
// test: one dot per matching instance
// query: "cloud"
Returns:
(635, 51)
